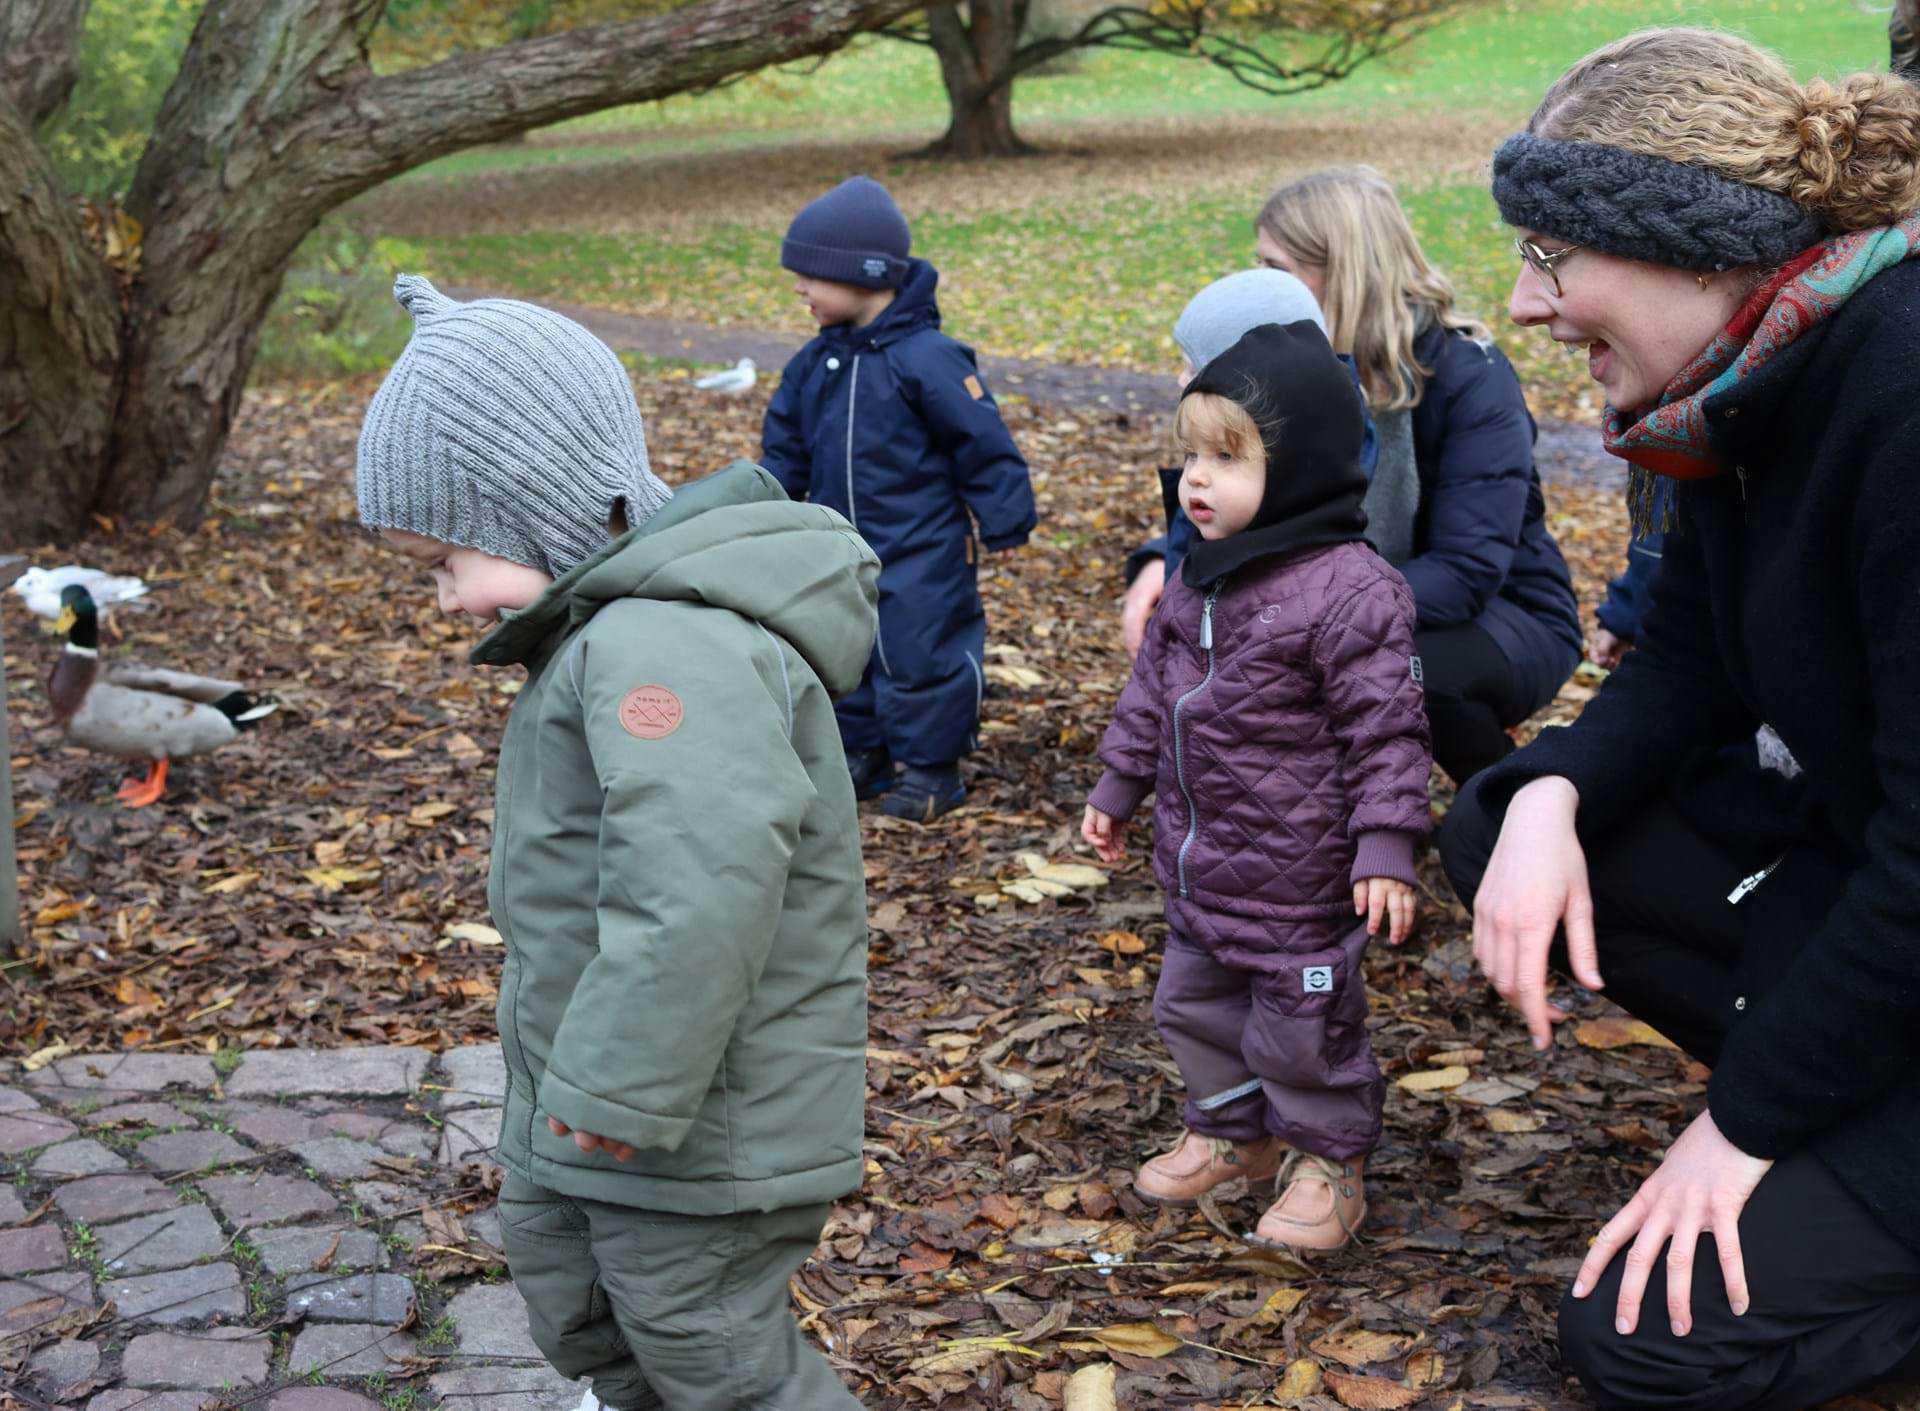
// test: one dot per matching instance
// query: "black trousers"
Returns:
(1472, 697)
(1835, 1298)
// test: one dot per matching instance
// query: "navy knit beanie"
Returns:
(852, 235)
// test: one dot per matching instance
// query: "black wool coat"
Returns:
(1790, 596)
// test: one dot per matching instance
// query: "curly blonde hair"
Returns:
(1378, 290)
(1847, 151)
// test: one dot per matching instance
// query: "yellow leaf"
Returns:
(1301, 1380)
(1091, 1388)
(970, 1354)
(332, 879)
(1138, 1339)
(1076, 875)
(1371, 1393)
(475, 933)
(424, 815)
(1434, 1079)
(40, 1058)
(1515, 1122)
(1617, 1031)
(234, 883)
(1060, 1198)
(1122, 943)
(1280, 1304)
(1023, 678)
(59, 911)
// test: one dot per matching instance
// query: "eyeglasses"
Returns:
(1543, 262)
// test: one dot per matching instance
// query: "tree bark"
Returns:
(977, 65)
(39, 47)
(275, 119)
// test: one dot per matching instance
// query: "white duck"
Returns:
(735, 380)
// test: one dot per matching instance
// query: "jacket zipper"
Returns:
(1179, 753)
(853, 514)
(1747, 884)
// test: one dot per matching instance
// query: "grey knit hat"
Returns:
(1642, 207)
(1228, 309)
(507, 428)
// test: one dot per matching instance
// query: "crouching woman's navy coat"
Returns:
(891, 425)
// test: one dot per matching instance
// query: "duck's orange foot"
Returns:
(138, 793)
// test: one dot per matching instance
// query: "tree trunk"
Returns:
(121, 404)
(977, 65)
(1903, 38)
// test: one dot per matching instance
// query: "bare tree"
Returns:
(1276, 46)
(125, 338)
(1903, 38)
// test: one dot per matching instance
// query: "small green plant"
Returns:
(443, 1333)
(84, 1246)
(259, 1298)
(226, 1060)
(335, 316)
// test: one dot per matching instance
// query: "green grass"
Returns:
(1061, 266)
(1499, 57)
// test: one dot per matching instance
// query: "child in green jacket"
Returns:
(676, 856)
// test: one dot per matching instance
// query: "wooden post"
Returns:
(10, 569)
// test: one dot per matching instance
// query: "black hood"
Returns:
(1312, 426)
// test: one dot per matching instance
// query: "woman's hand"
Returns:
(588, 1141)
(1702, 1186)
(1143, 596)
(1535, 881)
(1375, 897)
(1108, 836)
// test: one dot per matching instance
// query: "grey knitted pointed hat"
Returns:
(507, 428)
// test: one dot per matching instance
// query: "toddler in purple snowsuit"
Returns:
(1276, 710)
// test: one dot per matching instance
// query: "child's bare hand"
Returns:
(1374, 897)
(1107, 836)
(589, 1141)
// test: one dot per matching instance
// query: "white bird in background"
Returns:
(40, 588)
(735, 380)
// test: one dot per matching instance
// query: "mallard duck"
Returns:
(139, 712)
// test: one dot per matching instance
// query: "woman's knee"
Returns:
(1649, 1368)
(1467, 836)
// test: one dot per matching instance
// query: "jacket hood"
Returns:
(735, 541)
(912, 309)
(1312, 426)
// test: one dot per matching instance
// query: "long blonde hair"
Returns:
(1378, 290)
(1849, 151)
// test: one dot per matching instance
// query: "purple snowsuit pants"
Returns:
(1275, 1041)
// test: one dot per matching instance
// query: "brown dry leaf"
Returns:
(1618, 1031)
(962, 1357)
(1060, 1198)
(1359, 1347)
(1279, 1304)
(1426, 1369)
(1091, 1388)
(1371, 1393)
(1122, 943)
(1435, 1079)
(233, 883)
(1137, 1339)
(922, 1259)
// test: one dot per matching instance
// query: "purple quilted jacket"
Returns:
(1280, 718)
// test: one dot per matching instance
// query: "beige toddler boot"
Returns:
(1321, 1206)
(1200, 1163)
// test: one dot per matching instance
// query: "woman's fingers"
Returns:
(1582, 950)
(1637, 1269)
(1680, 1251)
(1733, 1267)
(1613, 1236)
(557, 1127)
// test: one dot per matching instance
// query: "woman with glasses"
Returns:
(1728, 839)
(1454, 503)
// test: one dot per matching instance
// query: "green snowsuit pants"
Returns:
(667, 1311)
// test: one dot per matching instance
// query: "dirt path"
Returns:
(1567, 452)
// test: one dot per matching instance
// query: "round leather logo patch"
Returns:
(651, 712)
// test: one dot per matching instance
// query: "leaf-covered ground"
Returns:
(311, 884)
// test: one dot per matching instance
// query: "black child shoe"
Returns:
(872, 772)
(922, 795)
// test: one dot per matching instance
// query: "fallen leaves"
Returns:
(1619, 1031)
(1434, 1079)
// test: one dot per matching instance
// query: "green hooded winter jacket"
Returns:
(676, 859)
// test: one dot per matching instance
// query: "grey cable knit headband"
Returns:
(1645, 208)
(507, 428)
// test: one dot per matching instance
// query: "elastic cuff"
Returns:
(1385, 852)
(1005, 541)
(1144, 555)
(1117, 796)
(585, 1112)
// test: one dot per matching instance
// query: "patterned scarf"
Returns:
(1671, 440)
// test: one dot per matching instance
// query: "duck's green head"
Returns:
(79, 618)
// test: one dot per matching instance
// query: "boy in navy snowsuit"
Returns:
(886, 419)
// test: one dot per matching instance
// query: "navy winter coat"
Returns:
(891, 425)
